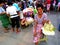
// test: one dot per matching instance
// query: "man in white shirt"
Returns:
(12, 13)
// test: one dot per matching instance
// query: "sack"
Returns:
(48, 29)
(29, 20)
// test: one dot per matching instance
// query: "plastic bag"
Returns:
(35, 11)
(29, 20)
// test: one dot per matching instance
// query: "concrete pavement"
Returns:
(25, 37)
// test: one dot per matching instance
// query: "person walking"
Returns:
(4, 18)
(13, 14)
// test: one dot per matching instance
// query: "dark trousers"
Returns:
(15, 22)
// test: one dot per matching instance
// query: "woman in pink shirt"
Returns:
(40, 18)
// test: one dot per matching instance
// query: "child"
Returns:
(12, 13)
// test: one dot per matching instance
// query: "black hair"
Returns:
(9, 3)
(39, 5)
(4, 1)
(1, 1)
(13, 0)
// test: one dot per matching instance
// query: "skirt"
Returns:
(5, 20)
(39, 33)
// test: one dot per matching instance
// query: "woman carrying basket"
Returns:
(40, 19)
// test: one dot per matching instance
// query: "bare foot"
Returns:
(12, 30)
(18, 31)
(6, 31)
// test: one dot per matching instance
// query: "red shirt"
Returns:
(48, 1)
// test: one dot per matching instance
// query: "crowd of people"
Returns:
(48, 4)
(10, 11)
(27, 3)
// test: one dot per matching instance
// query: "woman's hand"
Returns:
(23, 21)
(45, 21)
(48, 21)
(3, 13)
(8, 15)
